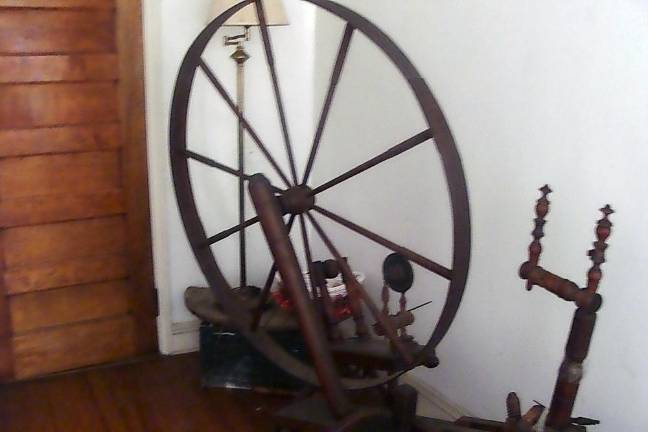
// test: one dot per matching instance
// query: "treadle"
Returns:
(309, 411)
(424, 424)
(478, 424)
(375, 353)
(313, 412)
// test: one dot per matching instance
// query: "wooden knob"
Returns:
(398, 273)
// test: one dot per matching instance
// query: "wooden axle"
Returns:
(563, 288)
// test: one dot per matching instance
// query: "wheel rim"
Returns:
(200, 242)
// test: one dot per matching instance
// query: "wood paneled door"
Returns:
(76, 286)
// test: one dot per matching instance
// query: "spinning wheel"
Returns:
(296, 198)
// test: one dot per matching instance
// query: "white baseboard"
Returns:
(432, 403)
(184, 337)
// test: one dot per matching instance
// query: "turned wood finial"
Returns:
(385, 299)
(403, 310)
(535, 248)
(597, 255)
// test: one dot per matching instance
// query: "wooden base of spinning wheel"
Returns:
(396, 414)
(391, 411)
(474, 424)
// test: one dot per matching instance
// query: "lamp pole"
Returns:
(240, 56)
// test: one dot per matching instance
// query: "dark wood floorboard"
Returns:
(159, 395)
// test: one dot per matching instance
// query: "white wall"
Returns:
(535, 92)
(170, 27)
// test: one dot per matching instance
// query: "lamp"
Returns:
(275, 15)
(247, 17)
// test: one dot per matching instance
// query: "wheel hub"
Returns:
(297, 200)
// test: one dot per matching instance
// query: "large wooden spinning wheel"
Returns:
(296, 198)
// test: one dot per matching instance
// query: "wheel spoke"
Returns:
(265, 35)
(410, 255)
(219, 87)
(355, 288)
(214, 164)
(265, 293)
(230, 231)
(389, 154)
(335, 78)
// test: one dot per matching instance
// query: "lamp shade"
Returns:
(274, 12)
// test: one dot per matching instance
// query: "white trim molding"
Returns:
(184, 337)
(159, 173)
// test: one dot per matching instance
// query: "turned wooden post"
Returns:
(535, 248)
(580, 336)
(319, 277)
(571, 370)
(385, 299)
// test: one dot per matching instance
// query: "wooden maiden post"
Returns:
(588, 302)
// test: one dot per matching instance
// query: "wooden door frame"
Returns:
(157, 107)
(130, 48)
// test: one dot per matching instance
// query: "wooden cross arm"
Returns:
(563, 288)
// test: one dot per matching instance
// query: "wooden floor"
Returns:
(151, 396)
